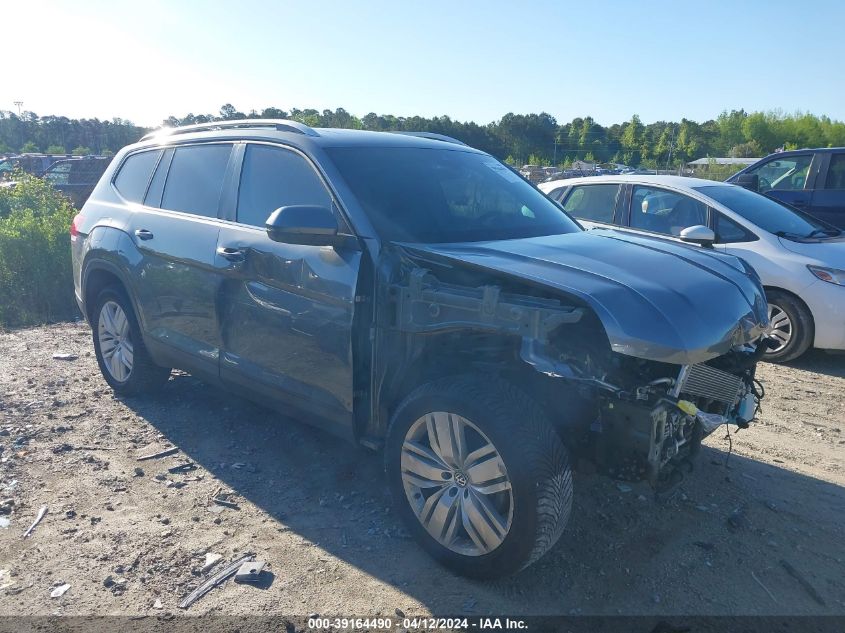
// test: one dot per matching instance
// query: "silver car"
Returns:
(800, 259)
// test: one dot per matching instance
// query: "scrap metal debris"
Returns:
(40, 516)
(217, 579)
(250, 571)
(210, 561)
(220, 498)
(803, 582)
(224, 502)
(183, 468)
(65, 356)
(165, 453)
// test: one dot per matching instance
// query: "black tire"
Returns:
(536, 461)
(145, 376)
(803, 330)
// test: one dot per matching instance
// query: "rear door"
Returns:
(828, 202)
(286, 309)
(176, 232)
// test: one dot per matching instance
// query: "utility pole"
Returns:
(19, 104)
(671, 147)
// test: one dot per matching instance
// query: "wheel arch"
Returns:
(99, 273)
(495, 355)
(795, 298)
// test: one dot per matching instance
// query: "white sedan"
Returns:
(800, 259)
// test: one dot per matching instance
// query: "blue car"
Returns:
(811, 179)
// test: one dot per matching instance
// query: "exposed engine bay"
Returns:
(650, 432)
(647, 418)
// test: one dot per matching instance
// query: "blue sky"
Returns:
(467, 59)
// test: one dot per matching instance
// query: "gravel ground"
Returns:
(131, 538)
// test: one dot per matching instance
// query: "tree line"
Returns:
(517, 138)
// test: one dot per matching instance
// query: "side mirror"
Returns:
(698, 234)
(749, 181)
(303, 224)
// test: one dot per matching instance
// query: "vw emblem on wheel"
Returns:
(461, 479)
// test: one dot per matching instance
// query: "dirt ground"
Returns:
(131, 538)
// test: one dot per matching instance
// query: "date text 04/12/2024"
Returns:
(418, 624)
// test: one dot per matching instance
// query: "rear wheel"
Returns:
(480, 476)
(791, 327)
(121, 355)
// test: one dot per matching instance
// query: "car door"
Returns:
(286, 309)
(789, 178)
(594, 204)
(828, 202)
(175, 231)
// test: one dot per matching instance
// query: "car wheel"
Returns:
(479, 475)
(121, 355)
(791, 327)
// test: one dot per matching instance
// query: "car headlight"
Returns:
(832, 275)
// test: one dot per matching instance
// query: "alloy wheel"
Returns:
(457, 483)
(780, 327)
(113, 333)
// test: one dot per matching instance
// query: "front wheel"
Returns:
(479, 475)
(791, 327)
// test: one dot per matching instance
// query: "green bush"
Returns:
(36, 282)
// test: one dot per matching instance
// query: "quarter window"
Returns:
(134, 175)
(728, 231)
(592, 202)
(195, 179)
(665, 211)
(273, 177)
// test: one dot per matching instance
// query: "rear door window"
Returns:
(836, 172)
(135, 173)
(663, 211)
(195, 179)
(593, 202)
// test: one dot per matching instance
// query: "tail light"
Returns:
(74, 226)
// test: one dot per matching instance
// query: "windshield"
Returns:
(770, 215)
(445, 195)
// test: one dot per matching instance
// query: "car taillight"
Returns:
(74, 226)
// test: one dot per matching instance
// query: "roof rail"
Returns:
(433, 136)
(281, 125)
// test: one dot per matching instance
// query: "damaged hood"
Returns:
(657, 299)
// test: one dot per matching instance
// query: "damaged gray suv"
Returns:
(417, 296)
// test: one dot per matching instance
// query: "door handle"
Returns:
(234, 255)
(143, 234)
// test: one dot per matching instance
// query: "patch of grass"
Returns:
(36, 282)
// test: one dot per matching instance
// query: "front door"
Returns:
(286, 310)
(788, 179)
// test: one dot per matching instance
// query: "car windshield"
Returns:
(770, 215)
(445, 195)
